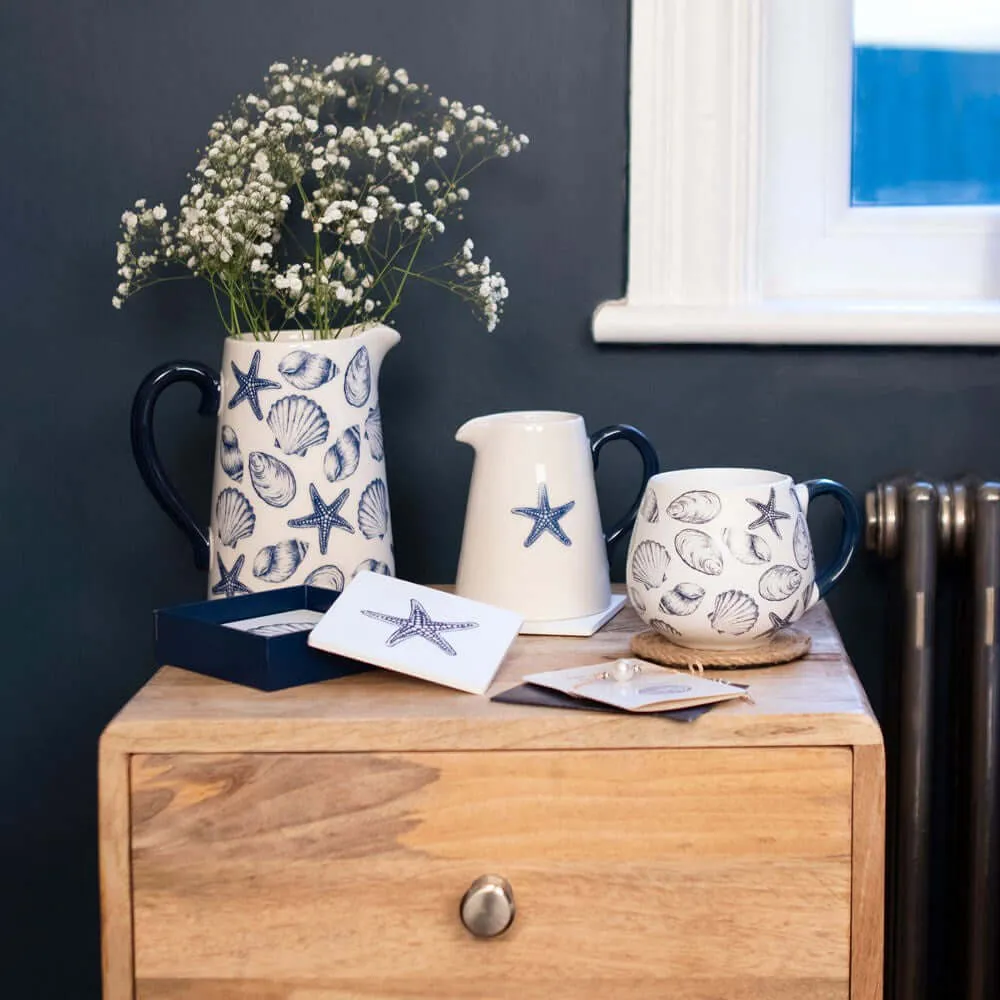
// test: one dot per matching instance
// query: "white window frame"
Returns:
(740, 226)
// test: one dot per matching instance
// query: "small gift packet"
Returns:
(637, 686)
(418, 631)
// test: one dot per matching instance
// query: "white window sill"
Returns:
(801, 323)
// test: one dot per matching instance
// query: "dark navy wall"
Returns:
(105, 101)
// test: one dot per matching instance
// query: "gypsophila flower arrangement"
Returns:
(372, 162)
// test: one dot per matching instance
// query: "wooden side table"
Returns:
(319, 843)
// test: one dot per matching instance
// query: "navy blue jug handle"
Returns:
(144, 446)
(849, 537)
(650, 467)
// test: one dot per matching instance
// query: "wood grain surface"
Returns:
(868, 876)
(718, 874)
(816, 701)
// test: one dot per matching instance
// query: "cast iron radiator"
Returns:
(946, 538)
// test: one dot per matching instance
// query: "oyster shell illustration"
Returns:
(229, 453)
(358, 378)
(779, 583)
(272, 480)
(280, 628)
(812, 596)
(746, 547)
(276, 563)
(735, 613)
(371, 566)
(328, 576)
(373, 510)
(682, 600)
(373, 432)
(649, 509)
(665, 628)
(636, 600)
(341, 459)
(234, 517)
(801, 545)
(699, 551)
(305, 370)
(695, 507)
(297, 424)
(649, 564)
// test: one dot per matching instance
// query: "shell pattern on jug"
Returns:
(717, 576)
(299, 492)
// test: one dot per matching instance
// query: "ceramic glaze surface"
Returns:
(299, 488)
(725, 560)
(533, 540)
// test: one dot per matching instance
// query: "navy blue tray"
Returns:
(195, 636)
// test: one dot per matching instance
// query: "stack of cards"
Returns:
(637, 686)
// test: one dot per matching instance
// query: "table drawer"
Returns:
(720, 874)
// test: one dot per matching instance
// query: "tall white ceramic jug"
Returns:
(533, 540)
(299, 492)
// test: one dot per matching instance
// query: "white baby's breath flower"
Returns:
(440, 152)
(131, 220)
(116, 301)
(431, 184)
(369, 214)
(365, 60)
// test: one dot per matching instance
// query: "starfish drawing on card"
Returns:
(546, 518)
(420, 624)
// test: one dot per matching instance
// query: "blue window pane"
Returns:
(926, 127)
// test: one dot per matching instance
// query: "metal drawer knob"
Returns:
(488, 906)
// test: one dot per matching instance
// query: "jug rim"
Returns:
(306, 336)
(526, 418)
(722, 477)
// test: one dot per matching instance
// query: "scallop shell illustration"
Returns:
(664, 628)
(779, 583)
(649, 564)
(682, 600)
(695, 507)
(276, 563)
(328, 576)
(272, 480)
(372, 566)
(746, 547)
(373, 510)
(649, 509)
(297, 424)
(229, 453)
(373, 432)
(234, 517)
(801, 545)
(305, 370)
(735, 613)
(341, 460)
(699, 551)
(358, 378)
(636, 600)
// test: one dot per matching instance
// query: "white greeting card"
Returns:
(280, 623)
(418, 631)
(637, 686)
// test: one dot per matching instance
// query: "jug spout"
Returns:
(380, 340)
(472, 432)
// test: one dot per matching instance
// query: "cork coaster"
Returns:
(788, 644)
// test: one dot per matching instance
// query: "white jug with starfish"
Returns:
(533, 540)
